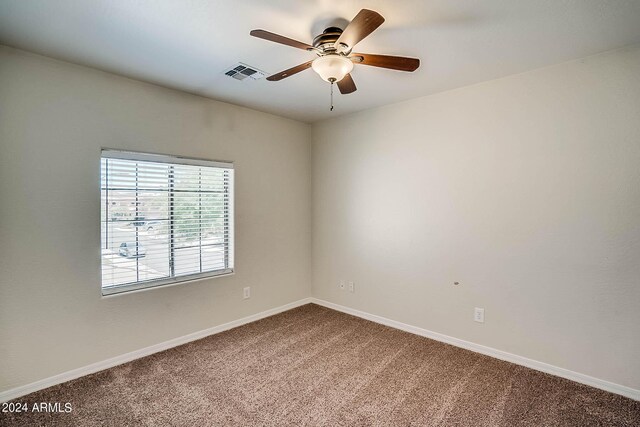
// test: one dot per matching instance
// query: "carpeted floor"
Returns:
(317, 367)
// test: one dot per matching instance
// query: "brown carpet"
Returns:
(315, 366)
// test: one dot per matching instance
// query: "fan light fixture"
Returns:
(333, 67)
(334, 49)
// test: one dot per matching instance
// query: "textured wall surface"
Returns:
(54, 119)
(526, 190)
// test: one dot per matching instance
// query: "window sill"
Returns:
(113, 291)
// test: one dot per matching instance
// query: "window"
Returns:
(164, 220)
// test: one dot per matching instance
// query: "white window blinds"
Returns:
(164, 220)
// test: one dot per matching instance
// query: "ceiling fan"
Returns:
(334, 48)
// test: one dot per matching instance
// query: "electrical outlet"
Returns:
(246, 292)
(352, 287)
(478, 315)
(341, 285)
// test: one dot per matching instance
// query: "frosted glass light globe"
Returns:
(332, 67)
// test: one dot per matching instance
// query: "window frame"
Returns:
(107, 153)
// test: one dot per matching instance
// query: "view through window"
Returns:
(164, 220)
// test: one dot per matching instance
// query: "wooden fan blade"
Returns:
(291, 71)
(272, 37)
(365, 22)
(347, 85)
(400, 63)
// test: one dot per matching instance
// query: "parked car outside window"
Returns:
(132, 250)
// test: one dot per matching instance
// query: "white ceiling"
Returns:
(188, 44)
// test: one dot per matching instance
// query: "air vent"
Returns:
(242, 71)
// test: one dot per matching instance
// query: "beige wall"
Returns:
(54, 118)
(525, 189)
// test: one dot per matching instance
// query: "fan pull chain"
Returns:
(331, 109)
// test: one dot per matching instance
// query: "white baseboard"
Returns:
(128, 357)
(498, 354)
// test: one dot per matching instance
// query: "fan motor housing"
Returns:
(325, 41)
